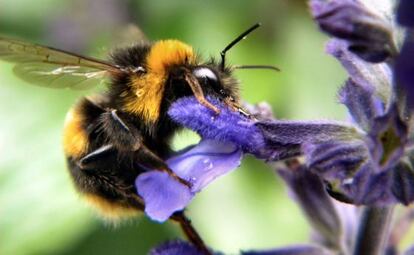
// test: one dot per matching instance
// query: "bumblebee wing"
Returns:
(128, 36)
(49, 67)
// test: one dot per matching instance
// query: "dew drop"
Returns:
(348, 181)
(208, 165)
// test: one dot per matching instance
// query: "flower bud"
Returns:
(368, 35)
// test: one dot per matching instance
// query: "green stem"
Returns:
(373, 232)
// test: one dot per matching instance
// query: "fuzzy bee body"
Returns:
(106, 181)
(102, 147)
(112, 137)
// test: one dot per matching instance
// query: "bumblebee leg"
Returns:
(119, 132)
(190, 232)
(150, 160)
(97, 157)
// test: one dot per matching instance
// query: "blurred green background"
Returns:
(40, 213)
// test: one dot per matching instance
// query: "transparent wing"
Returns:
(45, 66)
(130, 35)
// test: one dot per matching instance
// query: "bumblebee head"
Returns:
(166, 70)
(213, 78)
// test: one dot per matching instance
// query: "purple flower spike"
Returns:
(368, 36)
(344, 165)
(362, 103)
(389, 135)
(175, 248)
(376, 78)
(361, 171)
(163, 195)
(228, 126)
(270, 139)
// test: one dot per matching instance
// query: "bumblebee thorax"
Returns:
(169, 53)
(149, 87)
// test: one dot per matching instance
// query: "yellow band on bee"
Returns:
(162, 56)
(75, 140)
(110, 210)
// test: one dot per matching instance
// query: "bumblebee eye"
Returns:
(204, 72)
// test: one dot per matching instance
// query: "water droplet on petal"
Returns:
(348, 181)
(208, 165)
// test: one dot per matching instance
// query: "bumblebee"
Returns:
(111, 137)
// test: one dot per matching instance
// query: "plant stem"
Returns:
(190, 232)
(373, 230)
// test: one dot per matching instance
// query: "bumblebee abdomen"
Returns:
(112, 196)
(80, 124)
(108, 183)
(75, 138)
(112, 210)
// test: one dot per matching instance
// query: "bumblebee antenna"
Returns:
(234, 42)
(274, 68)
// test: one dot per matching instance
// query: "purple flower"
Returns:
(267, 139)
(163, 195)
(367, 35)
(361, 169)
(284, 139)
(373, 80)
(228, 126)
(354, 163)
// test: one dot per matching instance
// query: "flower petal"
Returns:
(228, 126)
(387, 138)
(339, 164)
(361, 102)
(283, 139)
(367, 34)
(205, 162)
(350, 172)
(378, 190)
(366, 75)
(162, 194)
